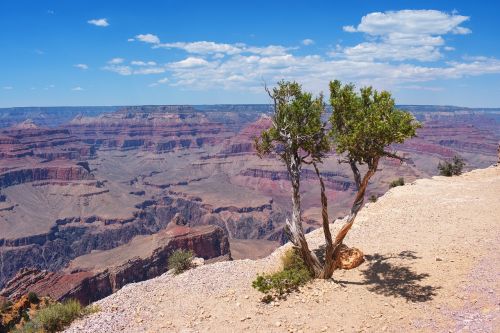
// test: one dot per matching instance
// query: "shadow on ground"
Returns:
(396, 279)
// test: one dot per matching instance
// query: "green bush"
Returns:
(398, 182)
(56, 317)
(373, 198)
(33, 298)
(278, 285)
(180, 260)
(451, 168)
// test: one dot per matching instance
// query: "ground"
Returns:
(432, 265)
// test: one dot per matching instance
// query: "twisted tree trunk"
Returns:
(329, 265)
(294, 226)
(361, 184)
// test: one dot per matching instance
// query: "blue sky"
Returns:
(204, 52)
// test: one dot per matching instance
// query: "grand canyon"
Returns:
(94, 198)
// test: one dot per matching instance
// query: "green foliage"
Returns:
(180, 260)
(365, 123)
(398, 182)
(279, 284)
(451, 168)
(373, 198)
(297, 125)
(33, 298)
(56, 317)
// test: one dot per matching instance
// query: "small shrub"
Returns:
(398, 182)
(279, 284)
(451, 168)
(180, 261)
(33, 298)
(55, 317)
(373, 198)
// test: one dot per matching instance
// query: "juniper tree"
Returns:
(297, 137)
(363, 126)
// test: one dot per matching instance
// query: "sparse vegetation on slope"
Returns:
(451, 168)
(180, 261)
(293, 275)
(55, 317)
(398, 182)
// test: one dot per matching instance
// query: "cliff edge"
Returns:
(432, 265)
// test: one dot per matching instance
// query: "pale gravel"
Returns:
(450, 225)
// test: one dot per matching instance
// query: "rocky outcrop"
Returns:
(88, 285)
(52, 171)
(158, 129)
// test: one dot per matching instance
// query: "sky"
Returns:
(85, 52)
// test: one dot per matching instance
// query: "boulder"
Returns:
(350, 258)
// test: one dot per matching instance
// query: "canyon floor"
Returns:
(432, 252)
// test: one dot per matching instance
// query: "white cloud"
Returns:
(102, 22)
(77, 89)
(204, 47)
(405, 34)
(150, 70)
(349, 28)
(307, 42)
(117, 65)
(160, 81)
(189, 62)
(209, 47)
(122, 70)
(8, 88)
(116, 61)
(142, 63)
(411, 22)
(386, 59)
(81, 66)
(148, 38)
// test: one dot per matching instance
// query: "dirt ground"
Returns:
(432, 252)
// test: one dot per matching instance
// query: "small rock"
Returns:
(439, 259)
(277, 324)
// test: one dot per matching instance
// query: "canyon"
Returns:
(98, 198)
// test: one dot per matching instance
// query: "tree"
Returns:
(363, 125)
(297, 136)
(453, 168)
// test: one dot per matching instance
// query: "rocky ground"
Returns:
(432, 265)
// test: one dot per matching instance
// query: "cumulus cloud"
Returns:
(165, 80)
(81, 66)
(102, 22)
(189, 62)
(307, 42)
(147, 38)
(143, 63)
(138, 67)
(116, 61)
(405, 34)
(213, 48)
(77, 89)
(401, 49)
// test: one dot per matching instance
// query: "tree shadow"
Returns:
(396, 280)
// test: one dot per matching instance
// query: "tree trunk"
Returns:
(329, 265)
(295, 225)
(356, 206)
